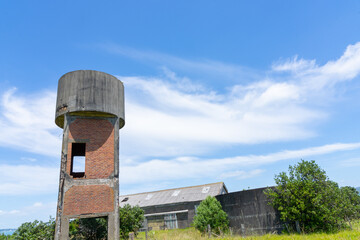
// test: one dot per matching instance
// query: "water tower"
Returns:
(90, 110)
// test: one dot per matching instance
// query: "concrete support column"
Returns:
(64, 235)
(111, 227)
(59, 219)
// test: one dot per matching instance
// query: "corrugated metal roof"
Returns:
(175, 195)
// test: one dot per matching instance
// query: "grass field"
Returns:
(192, 234)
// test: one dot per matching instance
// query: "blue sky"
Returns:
(232, 91)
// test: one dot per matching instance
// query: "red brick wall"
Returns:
(88, 199)
(99, 137)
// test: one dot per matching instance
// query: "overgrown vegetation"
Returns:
(131, 219)
(193, 234)
(33, 230)
(88, 229)
(309, 202)
(210, 212)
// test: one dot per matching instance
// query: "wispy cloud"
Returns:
(317, 77)
(170, 120)
(172, 116)
(240, 174)
(294, 65)
(28, 179)
(39, 179)
(27, 122)
(11, 212)
(165, 120)
(37, 211)
(352, 162)
(198, 67)
(193, 121)
(233, 167)
(29, 159)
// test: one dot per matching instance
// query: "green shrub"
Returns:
(209, 212)
(36, 230)
(131, 219)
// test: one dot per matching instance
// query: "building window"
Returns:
(175, 193)
(78, 160)
(170, 221)
(205, 189)
(148, 197)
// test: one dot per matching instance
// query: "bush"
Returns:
(306, 196)
(210, 212)
(131, 219)
(88, 228)
(350, 204)
(36, 230)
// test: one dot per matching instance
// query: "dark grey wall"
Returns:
(249, 212)
(184, 219)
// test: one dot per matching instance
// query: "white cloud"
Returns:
(11, 212)
(202, 67)
(190, 167)
(240, 174)
(352, 162)
(28, 180)
(315, 77)
(163, 120)
(28, 213)
(27, 123)
(14, 212)
(38, 204)
(173, 121)
(173, 116)
(28, 159)
(294, 65)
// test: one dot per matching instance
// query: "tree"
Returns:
(6, 237)
(308, 199)
(210, 212)
(36, 230)
(350, 201)
(131, 219)
(88, 228)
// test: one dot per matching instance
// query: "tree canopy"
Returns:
(307, 198)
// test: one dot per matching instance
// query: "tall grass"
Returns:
(192, 234)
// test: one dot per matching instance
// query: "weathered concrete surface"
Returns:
(90, 93)
(87, 100)
(249, 212)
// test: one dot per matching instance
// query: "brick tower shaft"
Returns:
(90, 109)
